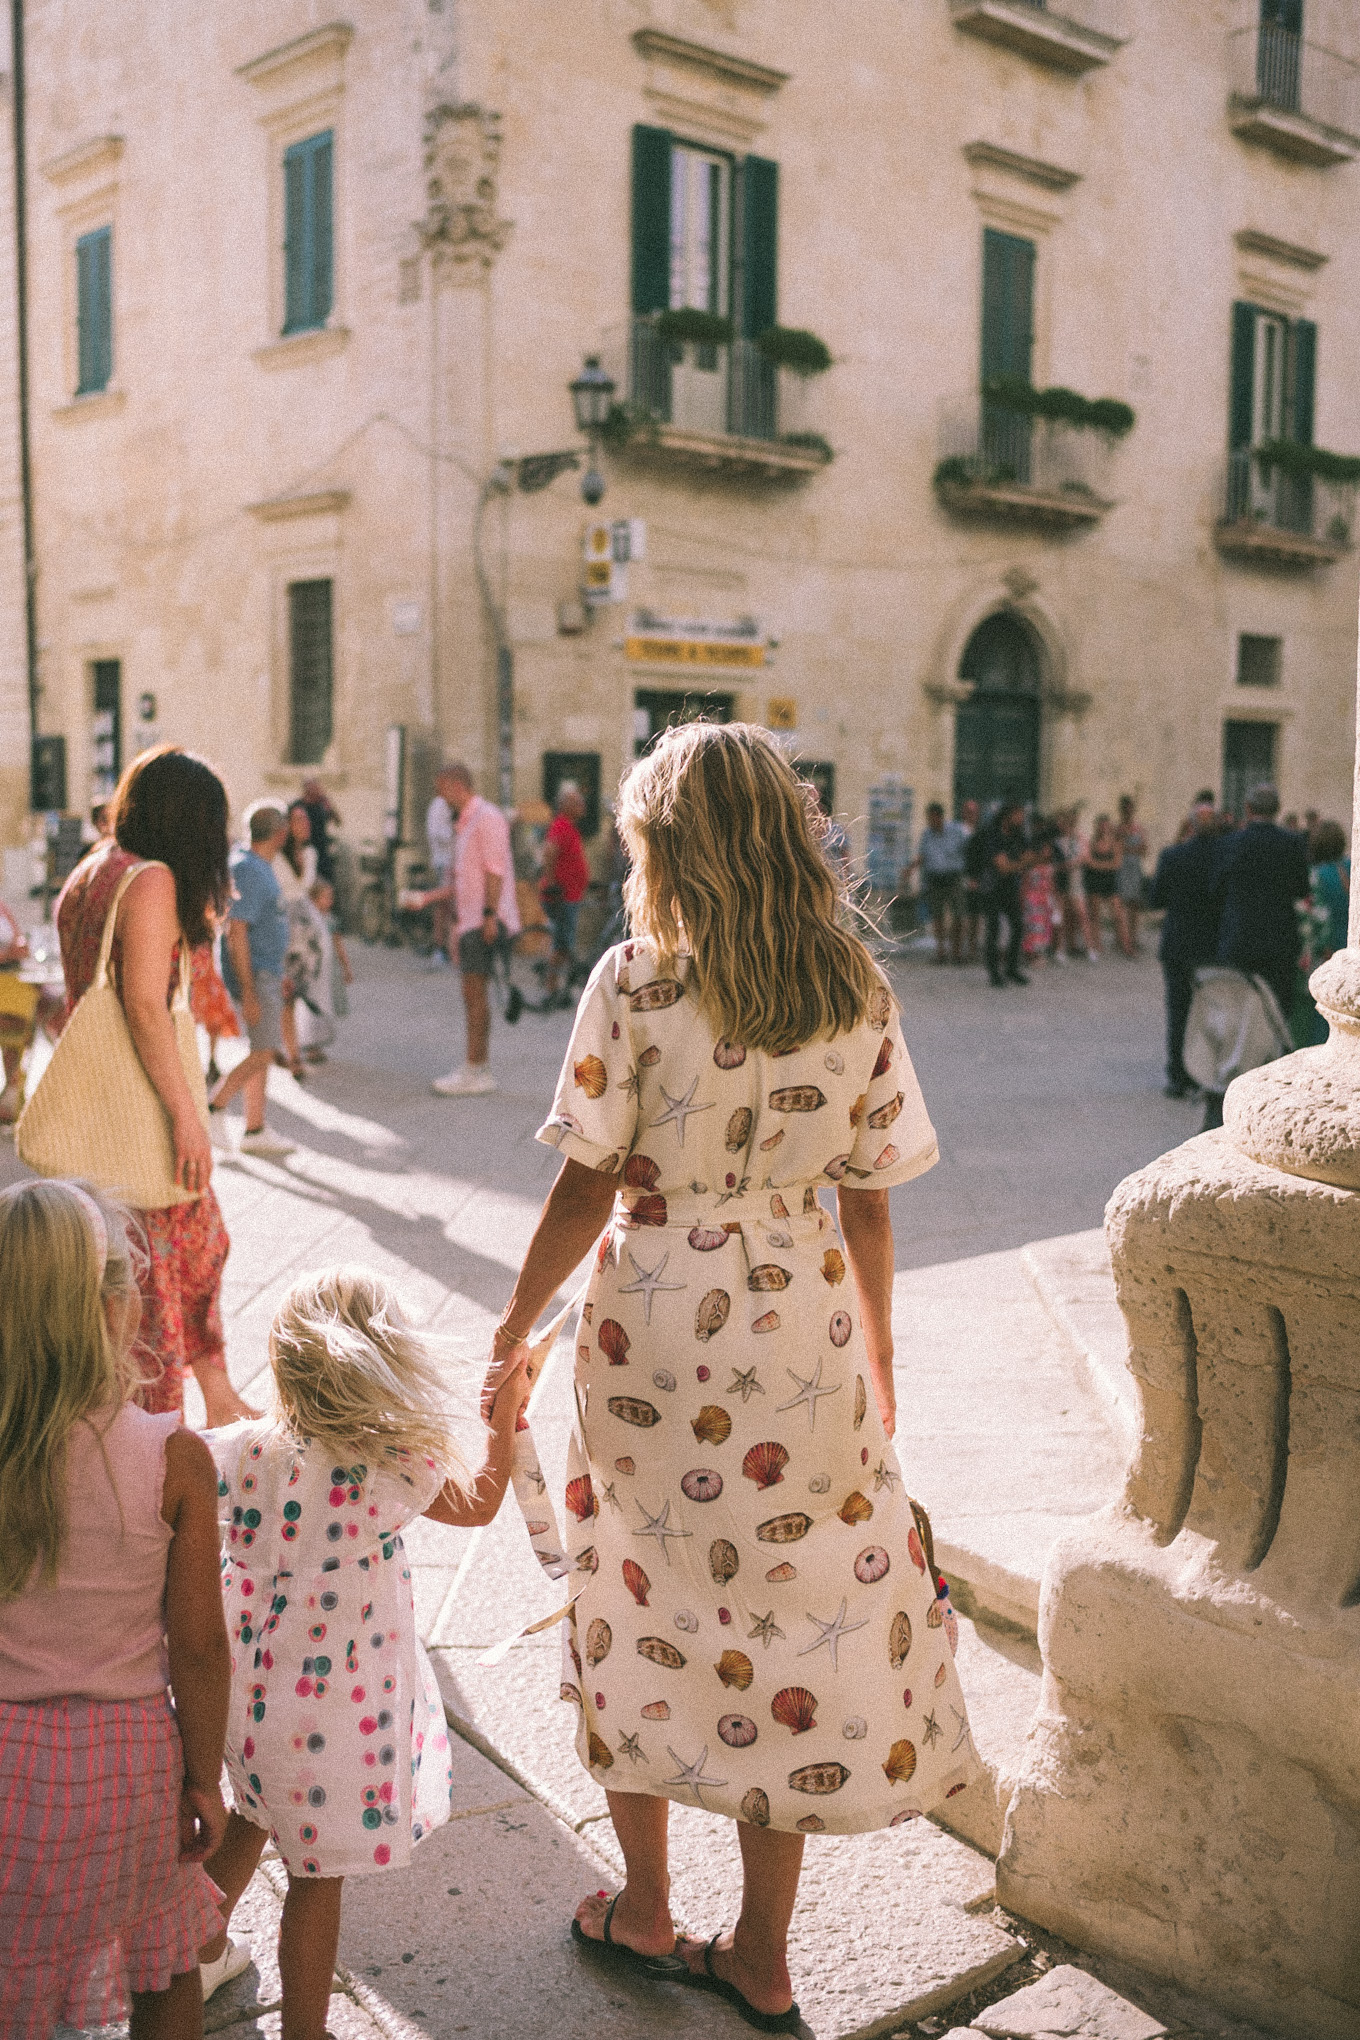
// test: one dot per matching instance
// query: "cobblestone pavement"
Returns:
(1042, 1097)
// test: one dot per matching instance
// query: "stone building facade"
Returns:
(308, 288)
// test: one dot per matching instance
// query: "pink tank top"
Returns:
(98, 1631)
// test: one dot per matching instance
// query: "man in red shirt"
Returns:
(563, 884)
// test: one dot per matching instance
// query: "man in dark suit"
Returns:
(1262, 871)
(1183, 887)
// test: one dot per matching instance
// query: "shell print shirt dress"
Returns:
(336, 1738)
(756, 1631)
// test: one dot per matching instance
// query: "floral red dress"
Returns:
(187, 1244)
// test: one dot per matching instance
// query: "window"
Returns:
(1279, 52)
(1248, 758)
(1258, 661)
(308, 247)
(94, 311)
(107, 728)
(582, 767)
(1007, 347)
(310, 671)
(1274, 373)
(656, 709)
(701, 215)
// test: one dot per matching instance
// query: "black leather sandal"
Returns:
(764, 2022)
(670, 1968)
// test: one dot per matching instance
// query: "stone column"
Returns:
(1190, 1792)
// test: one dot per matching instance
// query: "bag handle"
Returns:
(101, 976)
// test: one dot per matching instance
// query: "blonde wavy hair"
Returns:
(352, 1374)
(58, 1364)
(728, 863)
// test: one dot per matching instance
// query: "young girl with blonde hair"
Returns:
(336, 1743)
(109, 1799)
(756, 1630)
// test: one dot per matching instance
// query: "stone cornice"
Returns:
(320, 503)
(1253, 242)
(319, 45)
(719, 64)
(1049, 176)
(91, 159)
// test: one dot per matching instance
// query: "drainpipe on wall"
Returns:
(21, 341)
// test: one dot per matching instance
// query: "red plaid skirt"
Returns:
(94, 1901)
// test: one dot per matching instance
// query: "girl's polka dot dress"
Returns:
(336, 1739)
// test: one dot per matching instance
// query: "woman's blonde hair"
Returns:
(351, 1374)
(727, 862)
(57, 1361)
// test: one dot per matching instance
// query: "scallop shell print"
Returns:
(591, 1077)
(901, 1762)
(833, 1266)
(723, 1560)
(636, 1581)
(649, 1209)
(738, 1731)
(872, 1565)
(712, 1426)
(738, 1130)
(599, 1638)
(701, 1484)
(640, 1172)
(765, 1463)
(914, 1551)
(734, 1668)
(795, 1709)
(712, 1314)
(581, 1497)
(819, 1778)
(856, 1508)
(601, 1756)
(569, 1692)
(661, 1653)
(755, 1807)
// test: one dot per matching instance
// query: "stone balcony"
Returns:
(722, 411)
(1003, 467)
(1288, 523)
(1293, 96)
(1079, 38)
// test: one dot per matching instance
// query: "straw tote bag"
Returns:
(96, 1113)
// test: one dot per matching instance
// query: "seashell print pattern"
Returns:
(715, 1618)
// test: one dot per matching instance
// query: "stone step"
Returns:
(1001, 1674)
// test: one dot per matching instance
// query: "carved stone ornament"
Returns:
(462, 162)
(1020, 582)
(948, 693)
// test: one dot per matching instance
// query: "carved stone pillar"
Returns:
(1190, 1793)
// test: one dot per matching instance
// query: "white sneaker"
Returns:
(234, 1959)
(218, 1134)
(1093, 956)
(473, 1082)
(267, 1146)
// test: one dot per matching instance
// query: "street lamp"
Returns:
(591, 395)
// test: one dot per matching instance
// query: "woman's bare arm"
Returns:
(572, 1219)
(866, 1228)
(483, 1499)
(148, 921)
(196, 1634)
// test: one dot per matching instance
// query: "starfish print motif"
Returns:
(679, 1111)
(766, 1629)
(629, 1084)
(659, 1527)
(832, 1632)
(607, 1494)
(932, 1731)
(808, 1392)
(886, 1476)
(630, 1747)
(740, 1191)
(745, 1385)
(965, 1734)
(540, 1484)
(648, 1282)
(691, 1775)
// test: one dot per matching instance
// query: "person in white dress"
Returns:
(757, 1627)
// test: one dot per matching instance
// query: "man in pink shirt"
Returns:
(481, 892)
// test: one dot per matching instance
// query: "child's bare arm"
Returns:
(480, 1503)
(196, 1633)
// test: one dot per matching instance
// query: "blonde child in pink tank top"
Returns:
(108, 1594)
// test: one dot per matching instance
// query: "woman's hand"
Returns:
(508, 1356)
(193, 1151)
(202, 1822)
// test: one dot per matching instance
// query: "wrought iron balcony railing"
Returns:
(1005, 465)
(1294, 96)
(1284, 519)
(720, 405)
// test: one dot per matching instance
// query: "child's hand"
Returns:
(508, 1356)
(202, 1822)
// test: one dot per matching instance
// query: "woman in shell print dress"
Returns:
(756, 1629)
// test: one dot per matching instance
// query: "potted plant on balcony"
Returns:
(794, 348)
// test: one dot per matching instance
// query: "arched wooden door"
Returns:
(996, 731)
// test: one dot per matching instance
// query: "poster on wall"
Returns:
(888, 851)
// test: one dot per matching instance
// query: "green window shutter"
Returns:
(756, 246)
(1303, 335)
(1007, 305)
(651, 219)
(308, 237)
(1243, 375)
(94, 311)
(311, 671)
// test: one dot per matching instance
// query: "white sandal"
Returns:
(234, 1959)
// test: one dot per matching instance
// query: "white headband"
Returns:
(97, 1225)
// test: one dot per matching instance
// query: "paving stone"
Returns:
(1068, 2004)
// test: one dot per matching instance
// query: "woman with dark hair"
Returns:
(170, 830)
